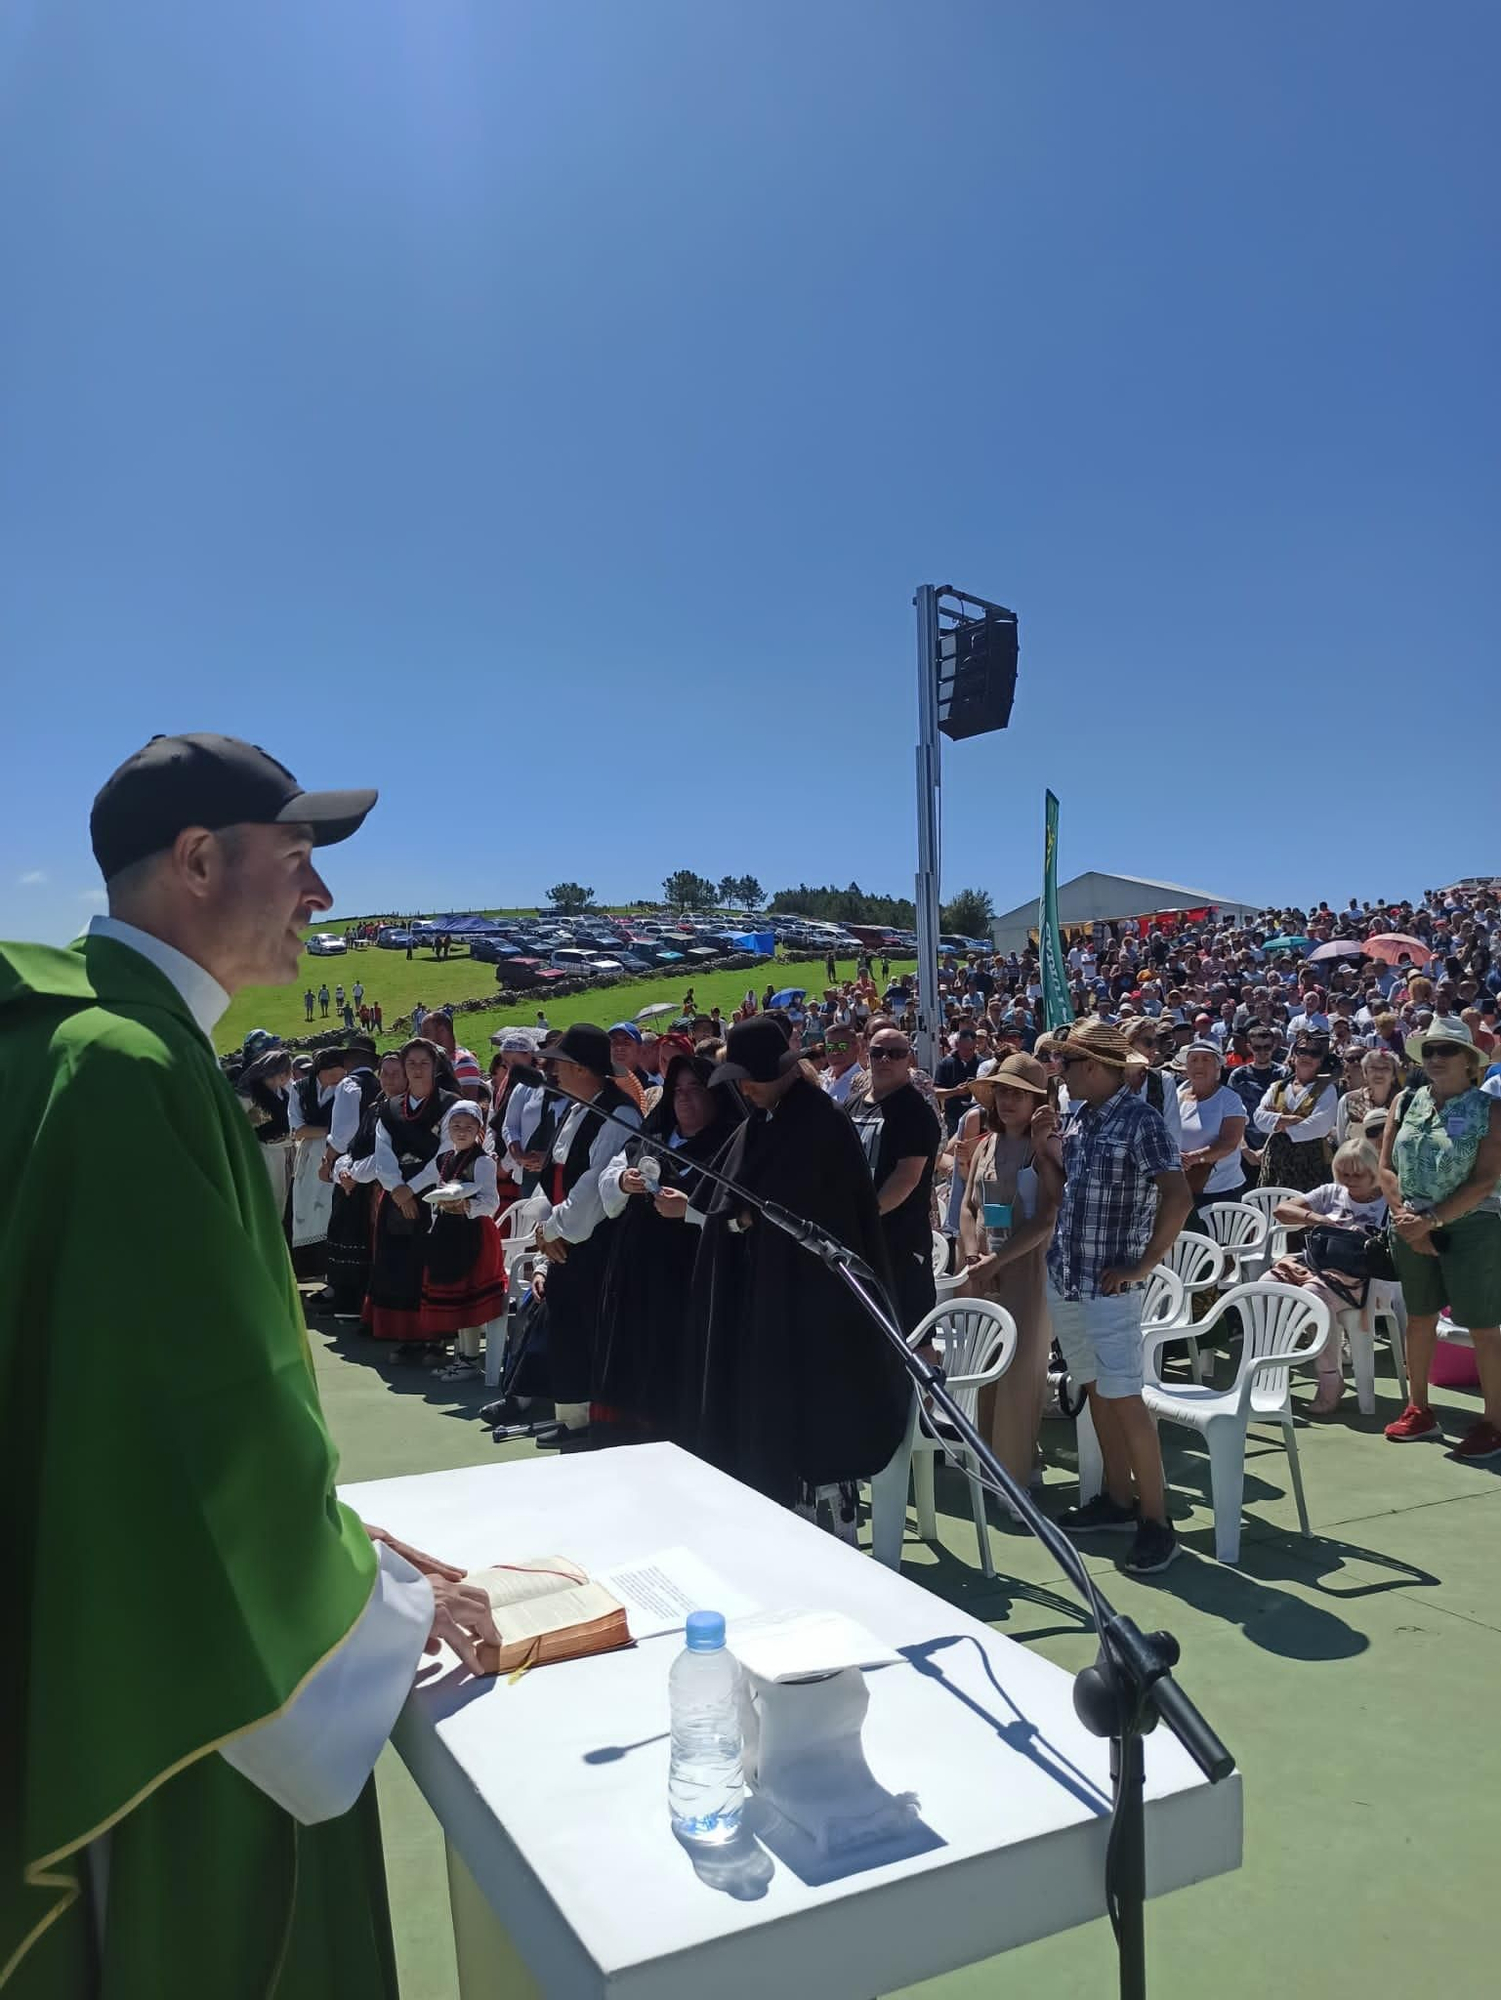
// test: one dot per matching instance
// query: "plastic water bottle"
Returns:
(706, 1781)
(650, 1169)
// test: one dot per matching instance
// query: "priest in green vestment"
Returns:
(204, 1650)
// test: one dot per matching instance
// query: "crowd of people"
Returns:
(1203, 1059)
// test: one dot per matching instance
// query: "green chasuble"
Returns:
(173, 1562)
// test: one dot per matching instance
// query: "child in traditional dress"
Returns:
(464, 1280)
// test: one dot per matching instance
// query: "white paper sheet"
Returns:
(789, 1645)
(658, 1591)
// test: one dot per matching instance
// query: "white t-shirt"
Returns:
(1335, 1201)
(1199, 1122)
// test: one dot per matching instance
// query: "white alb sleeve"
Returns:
(315, 1757)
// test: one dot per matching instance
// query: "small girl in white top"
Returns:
(1352, 1200)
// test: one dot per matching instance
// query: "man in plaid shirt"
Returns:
(1122, 1198)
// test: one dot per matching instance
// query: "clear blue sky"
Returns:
(442, 392)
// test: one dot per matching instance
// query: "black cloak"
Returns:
(642, 1354)
(792, 1384)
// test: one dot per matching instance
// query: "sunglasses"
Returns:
(1445, 1049)
(889, 1055)
(838, 1048)
(1068, 1062)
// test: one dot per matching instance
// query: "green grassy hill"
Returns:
(398, 983)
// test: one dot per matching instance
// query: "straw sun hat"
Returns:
(1019, 1072)
(1096, 1039)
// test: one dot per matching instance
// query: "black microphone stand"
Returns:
(1130, 1686)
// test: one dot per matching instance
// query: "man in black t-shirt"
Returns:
(901, 1137)
(953, 1077)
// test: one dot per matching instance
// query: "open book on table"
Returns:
(547, 1609)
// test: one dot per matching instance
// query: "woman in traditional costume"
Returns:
(517, 1051)
(408, 1136)
(352, 1215)
(1298, 1116)
(311, 1104)
(263, 1088)
(642, 1353)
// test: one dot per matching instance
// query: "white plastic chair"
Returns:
(940, 1254)
(979, 1344)
(518, 1228)
(1164, 1311)
(947, 1283)
(1265, 1201)
(1200, 1265)
(1241, 1231)
(1386, 1308)
(1282, 1327)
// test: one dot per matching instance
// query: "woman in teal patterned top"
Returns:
(1441, 1173)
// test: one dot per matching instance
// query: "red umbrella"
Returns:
(1392, 947)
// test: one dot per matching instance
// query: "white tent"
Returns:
(1096, 898)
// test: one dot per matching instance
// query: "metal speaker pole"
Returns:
(929, 778)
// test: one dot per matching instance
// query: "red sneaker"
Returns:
(1412, 1425)
(1480, 1441)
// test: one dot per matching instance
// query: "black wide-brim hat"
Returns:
(586, 1045)
(756, 1051)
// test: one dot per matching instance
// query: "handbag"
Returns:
(1348, 1259)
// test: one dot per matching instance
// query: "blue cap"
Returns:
(704, 1631)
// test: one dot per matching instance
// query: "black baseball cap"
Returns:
(210, 781)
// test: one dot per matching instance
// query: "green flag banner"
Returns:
(1057, 1008)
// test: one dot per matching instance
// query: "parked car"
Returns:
(327, 944)
(569, 958)
(608, 966)
(393, 939)
(492, 949)
(527, 972)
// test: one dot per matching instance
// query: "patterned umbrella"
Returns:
(1392, 947)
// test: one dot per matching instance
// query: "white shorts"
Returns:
(1100, 1339)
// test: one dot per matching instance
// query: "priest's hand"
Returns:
(673, 1203)
(428, 1565)
(555, 1250)
(406, 1201)
(631, 1181)
(461, 1615)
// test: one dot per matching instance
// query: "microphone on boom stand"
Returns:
(1130, 1686)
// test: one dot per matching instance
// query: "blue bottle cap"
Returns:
(704, 1631)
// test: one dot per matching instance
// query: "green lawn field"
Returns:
(398, 983)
